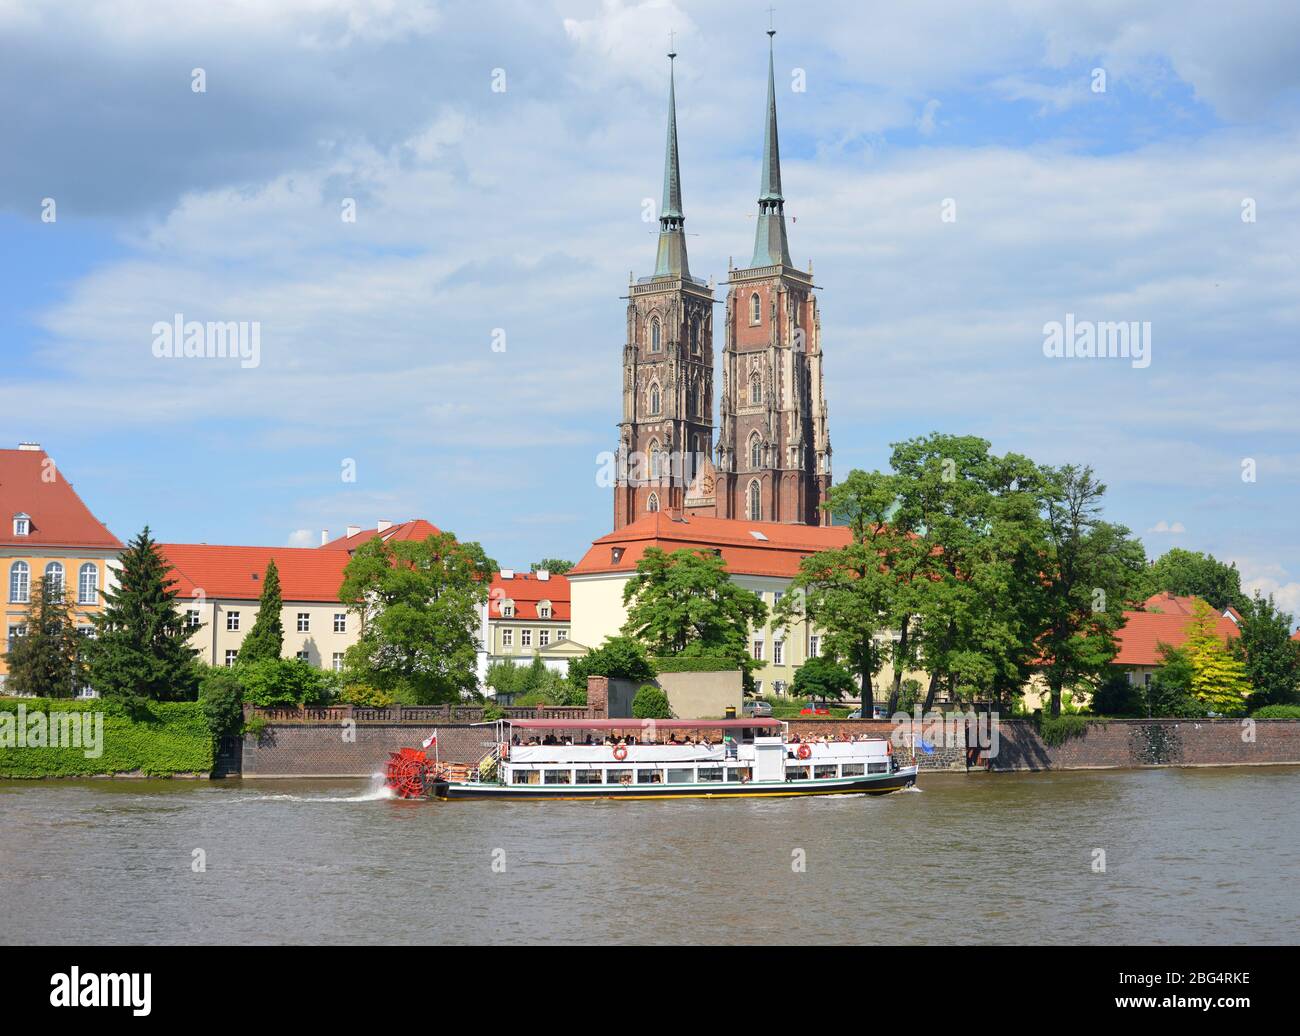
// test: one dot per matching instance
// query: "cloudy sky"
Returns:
(1170, 196)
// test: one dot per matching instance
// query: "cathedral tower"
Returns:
(774, 451)
(666, 434)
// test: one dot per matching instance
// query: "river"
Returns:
(1191, 856)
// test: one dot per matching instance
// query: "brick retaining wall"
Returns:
(319, 749)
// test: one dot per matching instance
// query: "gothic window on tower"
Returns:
(654, 459)
(755, 452)
(755, 309)
(755, 502)
(695, 336)
(654, 399)
(653, 503)
(755, 389)
(656, 342)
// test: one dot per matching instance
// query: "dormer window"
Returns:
(508, 609)
(544, 610)
(615, 555)
(22, 525)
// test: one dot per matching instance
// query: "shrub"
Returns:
(1056, 732)
(1277, 712)
(651, 703)
(279, 682)
(621, 658)
(693, 664)
(221, 697)
(1117, 696)
(365, 696)
(822, 678)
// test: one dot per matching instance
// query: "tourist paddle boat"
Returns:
(754, 757)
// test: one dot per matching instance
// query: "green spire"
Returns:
(770, 244)
(671, 260)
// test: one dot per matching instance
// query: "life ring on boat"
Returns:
(620, 752)
(505, 749)
(889, 747)
(805, 751)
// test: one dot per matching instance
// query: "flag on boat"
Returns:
(925, 746)
(432, 739)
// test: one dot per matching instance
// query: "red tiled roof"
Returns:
(777, 551)
(1170, 604)
(58, 516)
(415, 529)
(527, 592)
(306, 573)
(1143, 632)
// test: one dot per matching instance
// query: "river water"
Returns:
(1191, 856)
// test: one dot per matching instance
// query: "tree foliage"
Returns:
(1219, 679)
(619, 658)
(419, 603)
(46, 660)
(1271, 657)
(1192, 573)
(821, 678)
(266, 638)
(555, 566)
(141, 646)
(651, 703)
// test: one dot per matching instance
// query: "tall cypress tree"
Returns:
(47, 660)
(141, 650)
(266, 638)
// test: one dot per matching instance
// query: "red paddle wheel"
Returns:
(408, 769)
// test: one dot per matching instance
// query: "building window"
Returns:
(755, 453)
(340, 622)
(755, 388)
(758, 688)
(615, 555)
(54, 577)
(232, 621)
(778, 652)
(755, 309)
(302, 656)
(88, 583)
(655, 339)
(525, 638)
(231, 655)
(507, 638)
(562, 635)
(336, 662)
(755, 502)
(814, 646)
(191, 618)
(758, 650)
(695, 336)
(654, 399)
(304, 622)
(14, 633)
(543, 638)
(20, 582)
(543, 611)
(22, 525)
(653, 503)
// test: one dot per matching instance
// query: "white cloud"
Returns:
(1163, 526)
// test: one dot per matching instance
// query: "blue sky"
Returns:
(522, 210)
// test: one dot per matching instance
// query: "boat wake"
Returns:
(911, 787)
(377, 792)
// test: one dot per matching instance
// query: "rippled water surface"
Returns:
(1198, 855)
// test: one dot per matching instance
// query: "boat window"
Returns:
(710, 773)
(738, 773)
(854, 769)
(649, 777)
(681, 776)
(557, 777)
(796, 773)
(618, 776)
(525, 777)
(824, 771)
(877, 768)
(588, 776)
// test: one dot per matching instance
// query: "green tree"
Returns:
(266, 638)
(685, 603)
(822, 678)
(281, 682)
(1271, 657)
(141, 649)
(504, 676)
(651, 703)
(221, 695)
(1191, 573)
(1089, 569)
(1170, 690)
(46, 660)
(1118, 696)
(555, 566)
(619, 658)
(419, 603)
(1219, 679)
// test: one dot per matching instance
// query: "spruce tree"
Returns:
(46, 660)
(266, 638)
(141, 649)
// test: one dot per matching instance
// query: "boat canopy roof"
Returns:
(633, 724)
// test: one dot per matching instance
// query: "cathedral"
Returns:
(772, 458)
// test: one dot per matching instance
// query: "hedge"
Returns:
(1277, 712)
(696, 664)
(173, 738)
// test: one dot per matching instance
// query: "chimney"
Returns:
(543, 575)
(384, 525)
(354, 530)
(324, 536)
(30, 447)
